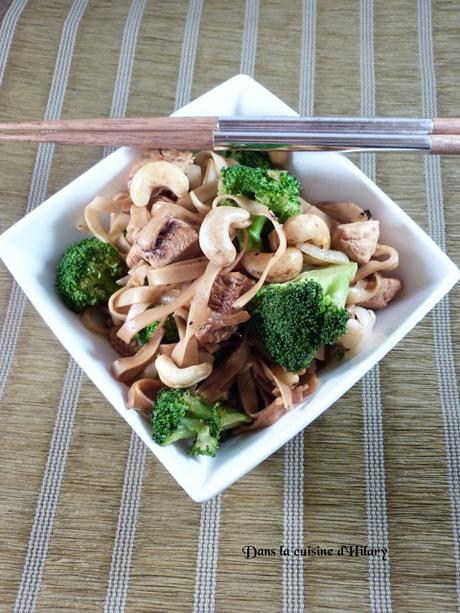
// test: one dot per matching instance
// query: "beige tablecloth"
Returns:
(89, 520)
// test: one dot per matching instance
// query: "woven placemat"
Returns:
(89, 520)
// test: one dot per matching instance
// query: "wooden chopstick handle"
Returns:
(149, 140)
(151, 124)
(445, 144)
(446, 125)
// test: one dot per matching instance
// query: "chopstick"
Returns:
(440, 135)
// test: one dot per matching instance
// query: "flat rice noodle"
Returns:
(210, 172)
(91, 215)
(203, 193)
(241, 253)
(218, 160)
(185, 352)
(284, 388)
(169, 295)
(198, 313)
(186, 270)
(194, 175)
(200, 206)
(123, 199)
(181, 324)
(148, 372)
(290, 378)
(138, 273)
(117, 317)
(255, 208)
(132, 326)
(118, 223)
(149, 233)
(166, 349)
(133, 310)
(267, 396)
(133, 295)
(142, 393)
(125, 369)
(214, 386)
(174, 210)
(139, 217)
(121, 243)
(266, 417)
(389, 263)
(263, 385)
(247, 391)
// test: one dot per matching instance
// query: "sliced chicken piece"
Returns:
(357, 240)
(177, 240)
(388, 289)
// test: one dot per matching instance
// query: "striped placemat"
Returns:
(90, 521)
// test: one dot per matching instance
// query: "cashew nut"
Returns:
(286, 268)
(157, 174)
(173, 376)
(307, 228)
(215, 240)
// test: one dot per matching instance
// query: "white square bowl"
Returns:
(33, 246)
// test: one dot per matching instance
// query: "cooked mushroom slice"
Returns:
(344, 212)
(307, 228)
(286, 268)
(176, 240)
(223, 320)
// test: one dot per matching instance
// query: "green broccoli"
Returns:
(293, 319)
(171, 334)
(277, 189)
(87, 272)
(179, 414)
(249, 157)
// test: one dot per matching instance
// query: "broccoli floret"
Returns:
(87, 272)
(248, 157)
(171, 334)
(293, 319)
(277, 189)
(179, 414)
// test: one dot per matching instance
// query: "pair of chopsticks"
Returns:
(441, 136)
